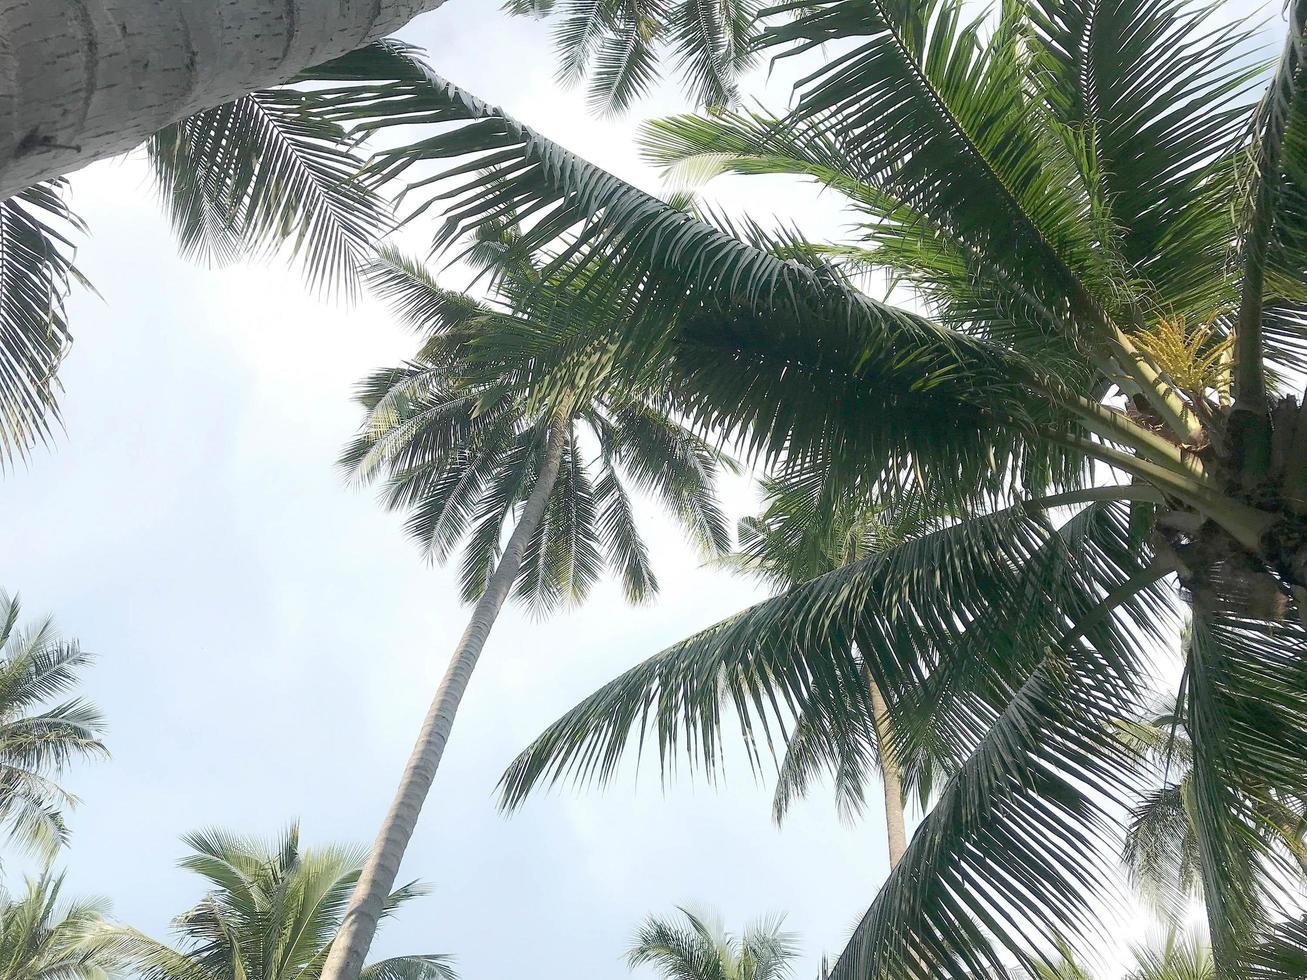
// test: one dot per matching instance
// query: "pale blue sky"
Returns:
(268, 639)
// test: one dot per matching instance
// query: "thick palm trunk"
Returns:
(351, 945)
(891, 778)
(85, 79)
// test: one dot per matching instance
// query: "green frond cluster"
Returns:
(459, 436)
(271, 911)
(42, 937)
(39, 739)
(702, 949)
(614, 46)
(265, 173)
(38, 231)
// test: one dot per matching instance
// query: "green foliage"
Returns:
(37, 234)
(264, 173)
(779, 351)
(271, 913)
(806, 529)
(701, 949)
(615, 46)
(460, 434)
(1051, 182)
(37, 739)
(42, 939)
(1179, 957)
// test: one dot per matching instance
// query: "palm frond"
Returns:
(265, 173)
(1246, 717)
(38, 740)
(1149, 88)
(44, 937)
(38, 232)
(430, 967)
(615, 46)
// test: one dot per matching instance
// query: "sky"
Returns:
(267, 639)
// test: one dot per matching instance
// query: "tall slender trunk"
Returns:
(351, 945)
(891, 778)
(85, 79)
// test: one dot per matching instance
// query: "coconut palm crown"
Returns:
(39, 739)
(271, 913)
(702, 949)
(1102, 213)
(458, 436)
(42, 937)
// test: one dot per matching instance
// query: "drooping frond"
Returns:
(905, 610)
(37, 234)
(1283, 954)
(615, 46)
(265, 173)
(1247, 720)
(405, 285)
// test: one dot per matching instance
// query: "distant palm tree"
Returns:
(1175, 956)
(42, 940)
(1163, 852)
(803, 532)
(469, 449)
(701, 949)
(38, 742)
(271, 914)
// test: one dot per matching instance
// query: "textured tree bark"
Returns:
(350, 947)
(891, 778)
(86, 79)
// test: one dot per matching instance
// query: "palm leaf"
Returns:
(37, 234)
(263, 173)
(1246, 718)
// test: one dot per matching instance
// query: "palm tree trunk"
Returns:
(86, 79)
(891, 778)
(351, 945)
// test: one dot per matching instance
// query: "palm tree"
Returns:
(42, 940)
(701, 949)
(258, 175)
(1178, 957)
(1174, 956)
(1163, 845)
(38, 740)
(468, 450)
(1101, 210)
(805, 531)
(271, 913)
(74, 95)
